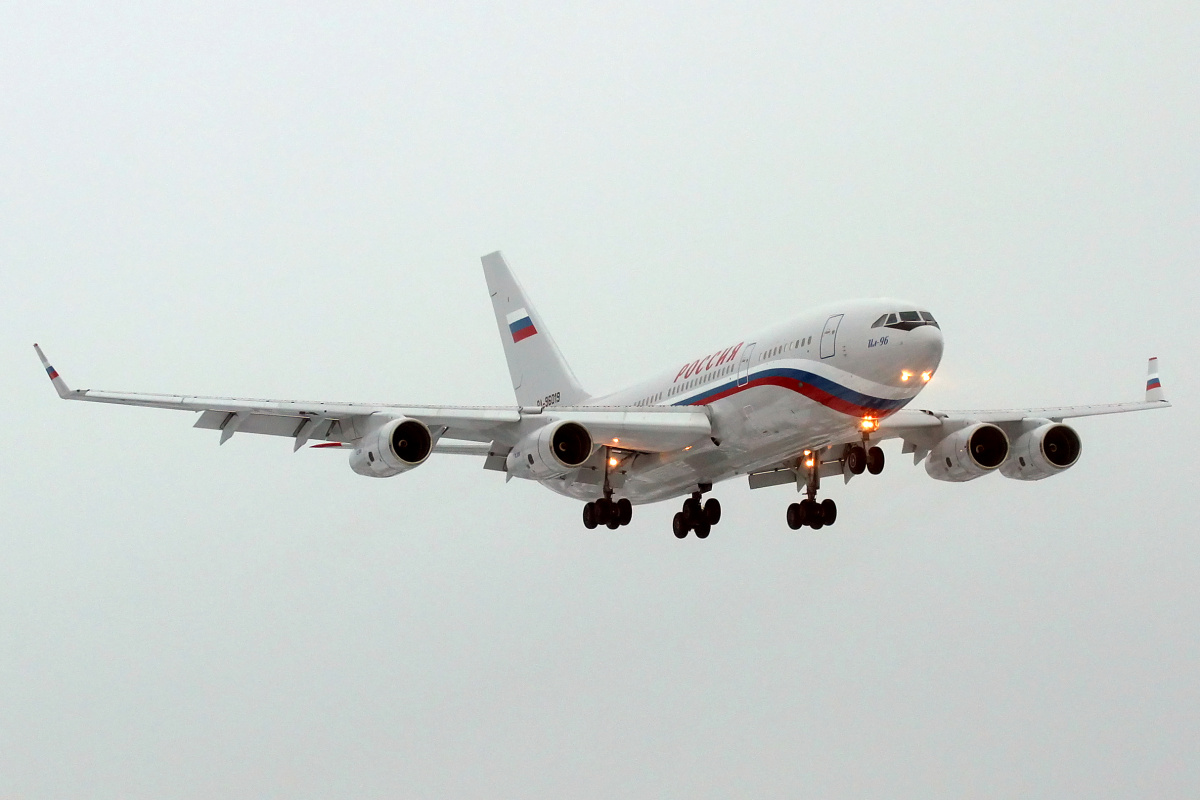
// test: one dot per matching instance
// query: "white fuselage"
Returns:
(806, 384)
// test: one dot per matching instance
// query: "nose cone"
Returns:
(923, 346)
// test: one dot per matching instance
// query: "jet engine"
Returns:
(968, 454)
(551, 451)
(394, 447)
(1048, 449)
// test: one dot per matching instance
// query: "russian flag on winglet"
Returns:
(1154, 389)
(520, 325)
(52, 372)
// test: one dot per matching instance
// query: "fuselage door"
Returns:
(829, 336)
(744, 364)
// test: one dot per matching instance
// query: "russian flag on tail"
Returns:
(520, 325)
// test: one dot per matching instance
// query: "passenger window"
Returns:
(910, 316)
(879, 322)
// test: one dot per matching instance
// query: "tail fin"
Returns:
(1154, 390)
(540, 375)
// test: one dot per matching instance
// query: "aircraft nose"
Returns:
(926, 344)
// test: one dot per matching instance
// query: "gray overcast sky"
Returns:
(290, 200)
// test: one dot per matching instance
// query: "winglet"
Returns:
(60, 385)
(1154, 390)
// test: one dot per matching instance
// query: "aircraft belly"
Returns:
(757, 429)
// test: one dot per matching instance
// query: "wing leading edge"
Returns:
(632, 428)
(921, 428)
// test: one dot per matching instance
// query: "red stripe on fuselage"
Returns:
(811, 392)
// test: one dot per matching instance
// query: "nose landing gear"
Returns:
(861, 459)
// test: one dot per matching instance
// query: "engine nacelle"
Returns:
(394, 447)
(1048, 449)
(551, 451)
(969, 454)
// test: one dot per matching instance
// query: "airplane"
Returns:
(808, 399)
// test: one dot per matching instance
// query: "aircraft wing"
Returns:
(921, 427)
(630, 428)
(908, 419)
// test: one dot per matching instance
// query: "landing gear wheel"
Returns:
(810, 514)
(692, 511)
(702, 530)
(614, 523)
(712, 511)
(795, 516)
(679, 525)
(624, 511)
(856, 460)
(874, 461)
(815, 516)
(604, 511)
(828, 511)
(589, 516)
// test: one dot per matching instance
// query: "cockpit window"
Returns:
(879, 322)
(907, 320)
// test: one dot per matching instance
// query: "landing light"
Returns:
(869, 424)
(616, 440)
(612, 462)
(905, 375)
(809, 463)
(925, 376)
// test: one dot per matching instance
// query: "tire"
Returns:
(679, 525)
(875, 461)
(589, 516)
(624, 511)
(692, 511)
(712, 511)
(604, 511)
(795, 516)
(614, 523)
(810, 512)
(702, 530)
(828, 512)
(856, 460)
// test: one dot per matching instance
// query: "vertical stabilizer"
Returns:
(540, 375)
(1154, 390)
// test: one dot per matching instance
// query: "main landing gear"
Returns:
(696, 517)
(811, 513)
(858, 458)
(608, 512)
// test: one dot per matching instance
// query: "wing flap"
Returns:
(269, 425)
